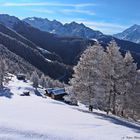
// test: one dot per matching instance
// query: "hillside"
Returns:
(34, 117)
(53, 69)
(44, 60)
(15, 63)
(66, 47)
(13, 34)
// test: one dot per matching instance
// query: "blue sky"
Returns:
(108, 16)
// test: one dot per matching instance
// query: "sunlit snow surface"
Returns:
(36, 118)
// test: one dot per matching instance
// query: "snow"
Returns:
(37, 118)
(53, 31)
(32, 19)
(58, 91)
(48, 60)
(43, 50)
(94, 39)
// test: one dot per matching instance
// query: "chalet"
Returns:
(21, 76)
(48, 91)
(56, 93)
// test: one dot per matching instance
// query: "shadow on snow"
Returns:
(115, 120)
(5, 92)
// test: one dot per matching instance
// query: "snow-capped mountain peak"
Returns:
(130, 34)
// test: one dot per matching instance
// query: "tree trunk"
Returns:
(114, 104)
(109, 103)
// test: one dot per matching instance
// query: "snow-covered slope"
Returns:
(37, 118)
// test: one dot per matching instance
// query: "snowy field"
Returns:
(36, 118)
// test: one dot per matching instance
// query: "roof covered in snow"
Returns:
(49, 90)
(56, 91)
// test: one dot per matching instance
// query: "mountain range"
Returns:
(54, 53)
(72, 29)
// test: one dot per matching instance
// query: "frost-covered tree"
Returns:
(116, 74)
(87, 78)
(107, 80)
(56, 83)
(28, 76)
(134, 99)
(50, 83)
(120, 78)
(130, 79)
(35, 79)
(71, 97)
(3, 71)
(42, 81)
